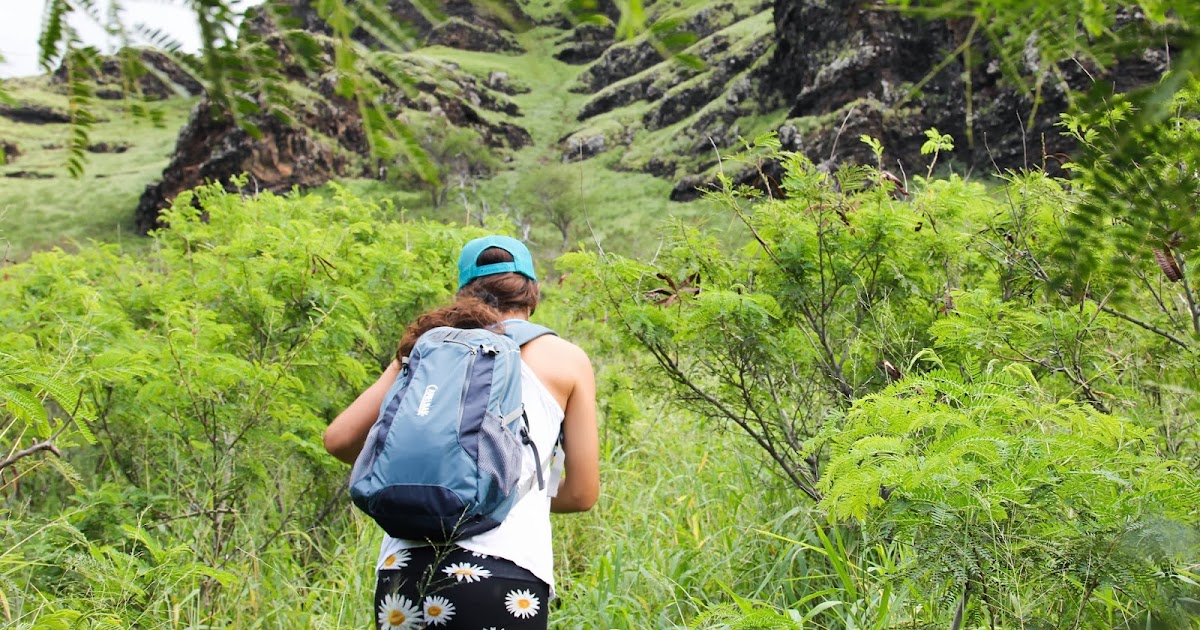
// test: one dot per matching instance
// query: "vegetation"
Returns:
(910, 366)
(457, 179)
(898, 363)
(933, 403)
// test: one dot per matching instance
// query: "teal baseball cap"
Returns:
(468, 269)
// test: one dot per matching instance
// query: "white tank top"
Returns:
(524, 536)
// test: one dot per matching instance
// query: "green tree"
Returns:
(909, 362)
(837, 288)
(552, 194)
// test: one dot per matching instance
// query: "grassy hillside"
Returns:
(42, 205)
(619, 208)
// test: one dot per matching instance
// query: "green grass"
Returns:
(60, 209)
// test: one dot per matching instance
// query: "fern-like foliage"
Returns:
(1137, 173)
(41, 413)
(747, 615)
(995, 484)
(780, 337)
(206, 372)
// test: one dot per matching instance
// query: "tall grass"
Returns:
(685, 521)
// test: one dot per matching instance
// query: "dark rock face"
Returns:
(673, 86)
(28, 175)
(158, 77)
(687, 110)
(577, 148)
(108, 147)
(833, 52)
(858, 65)
(211, 148)
(853, 67)
(626, 59)
(34, 114)
(684, 99)
(465, 26)
(499, 81)
(585, 43)
(461, 34)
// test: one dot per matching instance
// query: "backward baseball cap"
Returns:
(469, 269)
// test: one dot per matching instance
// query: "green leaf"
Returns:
(25, 406)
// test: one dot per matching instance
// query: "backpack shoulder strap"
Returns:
(523, 332)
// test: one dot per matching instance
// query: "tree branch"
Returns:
(45, 445)
(1146, 325)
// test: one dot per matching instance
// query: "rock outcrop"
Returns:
(34, 114)
(463, 24)
(848, 67)
(669, 113)
(213, 148)
(844, 68)
(459, 33)
(585, 43)
(326, 138)
(9, 151)
(626, 59)
(156, 75)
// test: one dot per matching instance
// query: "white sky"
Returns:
(21, 22)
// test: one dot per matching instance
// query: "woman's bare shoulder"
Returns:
(559, 349)
(561, 365)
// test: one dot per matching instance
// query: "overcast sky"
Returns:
(21, 22)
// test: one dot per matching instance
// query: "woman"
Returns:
(502, 577)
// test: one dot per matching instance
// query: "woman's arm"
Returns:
(345, 436)
(580, 487)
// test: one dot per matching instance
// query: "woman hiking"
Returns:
(502, 577)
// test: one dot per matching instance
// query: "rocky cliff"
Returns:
(849, 67)
(155, 75)
(668, 102)
(324, 137)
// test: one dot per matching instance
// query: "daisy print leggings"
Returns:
(450, 587)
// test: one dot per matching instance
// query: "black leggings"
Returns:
(450, 587)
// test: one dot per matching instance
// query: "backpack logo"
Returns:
(426, 400)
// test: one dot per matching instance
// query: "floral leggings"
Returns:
(450, 587)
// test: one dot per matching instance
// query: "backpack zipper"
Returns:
(462, 401)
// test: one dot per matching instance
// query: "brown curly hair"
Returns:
(480, 304)
(468, 312)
